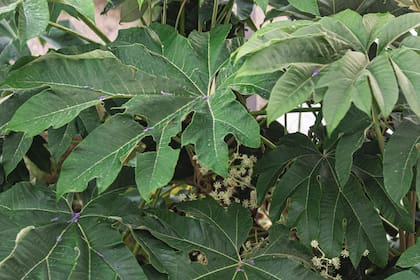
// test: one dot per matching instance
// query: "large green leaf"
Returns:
(174, 84)
(63, 244)
(321, 208)
(292, 89)
(52, 109)
(307, 6)
(100, 155)
(347, 83)
(15, 147)
(33, 18)
(216, 235)
(85, 7)
(400, 156)
(405, 64)
(280, 53)
(98, 70)
(397, 27)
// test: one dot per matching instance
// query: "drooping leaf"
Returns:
(405, 63)
(33, 18)
(52, 109)
(383, 84)
(307, 6)
(347, 83)
(396, 28)
(280, 53)
(292, 89)
(62, 243)
(400, 156)
(216, 234)
(263, 36)
(351, 133)
(15, 147)
(320, 208)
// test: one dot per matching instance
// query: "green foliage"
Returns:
(134, 159)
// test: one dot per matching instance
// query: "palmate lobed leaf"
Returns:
(61, 244)
(322, 208)
(218, 234)
(178, 84)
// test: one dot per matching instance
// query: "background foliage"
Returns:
(139, 159)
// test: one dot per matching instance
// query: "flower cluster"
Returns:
(327, 267)
(237, 187)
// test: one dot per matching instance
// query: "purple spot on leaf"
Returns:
(55, 219)
(74, 218)
(166, 93)
(100, 255)
(239, 269)
(147, 129)
(206, 97)
(315, 72)
(102, 97)
(58, 239)
(251, 262)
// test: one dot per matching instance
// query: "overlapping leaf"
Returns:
(322, 208)
(401, 155)
(172, 84)
(62, 244)
(215, 235)
(15, 147)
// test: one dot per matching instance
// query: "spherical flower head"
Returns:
(324, 273)
(182, 197)
(338, 277)
(217, 185)
(336, 262)
(345, 253)
(316, 262)
(366, 253)
(192, 196)
(314, 244)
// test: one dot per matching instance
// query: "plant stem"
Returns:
(156, 198)
(180, 11)
(150, 7)
(297, 110)
(214, 14)
(72, 32)
(268, 143)
(93, 27)
(165, 5)
(412, 199)
(377, 127)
